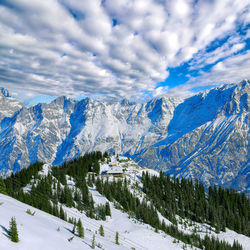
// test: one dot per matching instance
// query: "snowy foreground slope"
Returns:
(204, 137)
(41, 230)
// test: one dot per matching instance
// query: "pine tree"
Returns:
(13, 233)
(79, 206)
(96, 167)
(90, 183)
(107, 209)
(101, 230)
(74, 228)
(61, 213)
(55, 210)
(217, 227)
(117, 238)
(80, 229)
(68, 197)
(93, 242)
(3, 189)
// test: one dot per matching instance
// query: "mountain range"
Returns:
(204, 136)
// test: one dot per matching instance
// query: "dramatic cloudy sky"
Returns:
(113, 49)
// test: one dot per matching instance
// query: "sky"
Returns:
(110, 50)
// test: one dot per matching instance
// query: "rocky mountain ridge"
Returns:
(205, 136)
(8, 105)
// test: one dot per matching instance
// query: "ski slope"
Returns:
(39, 232)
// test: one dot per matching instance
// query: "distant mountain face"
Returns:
(205, 136)
(8, 105)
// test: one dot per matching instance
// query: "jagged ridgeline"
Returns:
(203, 137)
(173, 198)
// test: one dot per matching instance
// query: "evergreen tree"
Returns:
(13, 233)
(93, 242)
(3, 189)
(62, 213)
(217, 227)
(117, 238)
(68, 197)
(90, 182)
(107, 209)
(106, 154)
(55, 210)
(221, 208)
(101, 231)
(74, 228)
(80, 229)
(79, 206)
(96, 167)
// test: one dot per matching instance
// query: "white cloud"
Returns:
(160, 91)
(62, 47)
(203, 58)
(231, 70)
(180, 8)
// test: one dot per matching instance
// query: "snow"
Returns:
(164, 133)
(46, 169)
(132, 169)
(20, 128)
(134, 173)
(204, 229)
(115, 170)
(230, 236)
(40, 231)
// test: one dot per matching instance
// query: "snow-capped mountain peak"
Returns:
(204, 136)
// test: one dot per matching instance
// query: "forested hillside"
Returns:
(148, 199)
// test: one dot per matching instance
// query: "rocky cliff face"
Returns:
(207, 139)
(205, 136)
(8, 105)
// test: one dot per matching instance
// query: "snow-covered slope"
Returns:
(44, 231)
(41, 230)
(205, 136)
(8, 104)
(207, 139)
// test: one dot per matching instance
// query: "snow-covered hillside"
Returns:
(41, 230)
(44, 231)
(205, 136)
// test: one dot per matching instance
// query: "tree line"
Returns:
(49, 192)
(118, 191)
(220, 208)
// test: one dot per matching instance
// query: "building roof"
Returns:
(117, 170)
